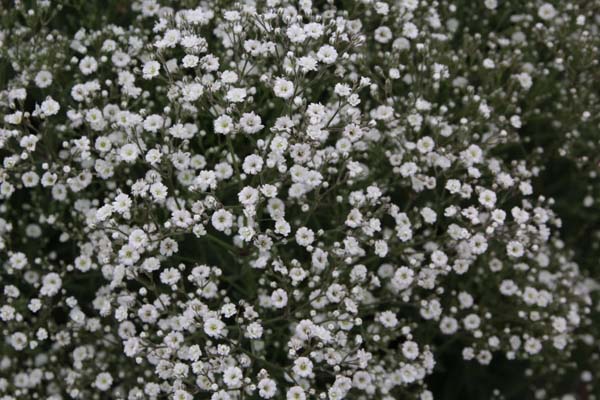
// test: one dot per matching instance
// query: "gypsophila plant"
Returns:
(297, 200)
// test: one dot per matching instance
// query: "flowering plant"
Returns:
(289, 199)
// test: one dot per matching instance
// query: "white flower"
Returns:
(267, 388)
(408, 373)
(282, 227)
(170, 38)
(248, 196)
(122, 203)
(147, 313)
(236, 95)
(515, 249)
(388, 319)
(252, 164)
(206, 180)
(439, 258)
(304, 236)
(254, 331)
(182, 395)
(448, 325)
(429, 216)
(232, 377)
(524, 80)
(151, 69)
(491, 4)
(402, 279)
(170, 276)
(158, 191)
(471, 322)
(50, 106)
(181, 131)
(307, 64)
(151, 264)
(129, 152)
(153, 123)
(214, 327)
(410, 30)
(533, 346)
(18, 341)
(190, 61)
(88, 65)
(283, 88)
(425, 145)
(478, 244)
(43, 79)
(340, 173)
(547, 11)
(314, 30)
(327, 54)
(250, 123)
(508, 287)
(303, 367)
(168, 247)
(295, 393)
(7, 313)
(487, 198)
(279, 298)
(222, 220)
(410, 350)
(223, 124)
(103, 381)
(30, 179)
(296, 33)
(383, 34)
(51, 284)
(83, 263)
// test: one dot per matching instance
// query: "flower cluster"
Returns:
(285, 199)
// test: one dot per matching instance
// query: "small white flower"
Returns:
(223, 124)
(129, 152)
(304, 236)
(214, 327)
(248, 196)
(279, 298)
(250, 123)
(222, 220)
(30, 179)
(170, 276)
(487, 198)
(103, 381)
(267, 388)
(283, 88)
(232, 377)
(88, 65)
(410, 350)
(51, 284)
(515, 249)
(151, 69)
(547, 11)
(491, 4)
(327, 54)
(303, 367)
(153, 123)
(388, 319)
(295, 393)
(50, 106)
(252, 164)
(18, 341)
(43, 79)
(236, 95)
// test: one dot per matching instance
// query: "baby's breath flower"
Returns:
(297, 199)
